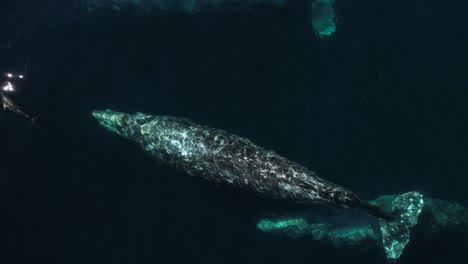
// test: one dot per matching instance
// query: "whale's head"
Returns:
(113, 121)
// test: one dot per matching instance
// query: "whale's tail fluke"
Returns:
(403, 214)
(366, 230)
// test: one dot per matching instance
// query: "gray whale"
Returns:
(220, 157)
(322, 11)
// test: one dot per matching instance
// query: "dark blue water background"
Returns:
(379, 108)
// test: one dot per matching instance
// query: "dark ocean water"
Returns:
(379, 108)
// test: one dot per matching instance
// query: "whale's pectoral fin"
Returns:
(395, 233)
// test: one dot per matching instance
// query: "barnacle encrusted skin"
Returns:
(221, 157)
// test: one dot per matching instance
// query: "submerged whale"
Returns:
(322, 11)
(218, 156)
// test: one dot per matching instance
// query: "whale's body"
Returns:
(221, 157)
(322, 11)
(218, 156)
